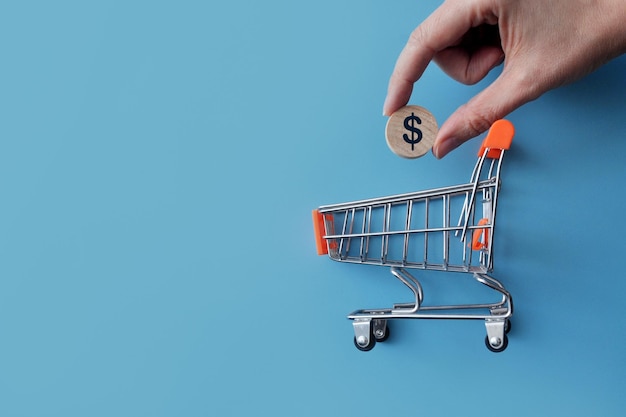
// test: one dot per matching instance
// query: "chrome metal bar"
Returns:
(352, 219)
(496, 190)
(362, 239)
(385, 237)
(426, 223)
(473, 195)
(415, 287)
(369, 228)
(402, 232)
(344, 227)
(436, 192)
(446, 223)
(405, 247)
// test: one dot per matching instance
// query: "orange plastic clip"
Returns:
(320, 231)
(498, 139)
(476, 243)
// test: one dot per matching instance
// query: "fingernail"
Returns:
(445, 146)
(385, 108)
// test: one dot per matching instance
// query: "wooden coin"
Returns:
(411, 131)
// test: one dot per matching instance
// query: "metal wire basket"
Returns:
(442, 229)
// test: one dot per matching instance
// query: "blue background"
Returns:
(158, 166)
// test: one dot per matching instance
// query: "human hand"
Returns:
(543, 44)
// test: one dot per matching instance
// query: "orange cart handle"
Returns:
(476, 243)
(498, 139)
(320, 231)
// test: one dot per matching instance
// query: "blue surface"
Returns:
(158, 165)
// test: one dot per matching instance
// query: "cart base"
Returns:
(370, 326)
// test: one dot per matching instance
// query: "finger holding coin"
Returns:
(411, 131)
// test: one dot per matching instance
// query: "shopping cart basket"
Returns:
(417, 231)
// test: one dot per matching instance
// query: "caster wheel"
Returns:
(507, 326)
(381, 336)
(365, 348)
(499, 348)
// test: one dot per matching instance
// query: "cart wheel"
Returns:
(507, 326)
(370, 345)
(498, 348)
(384, 336)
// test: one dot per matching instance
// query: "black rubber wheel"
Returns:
(385, 336)
(507, 326)
(505, 343)
(368, 347)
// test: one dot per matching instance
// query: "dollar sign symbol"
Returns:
(409, 124)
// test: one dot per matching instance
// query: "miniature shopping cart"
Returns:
(443, 229)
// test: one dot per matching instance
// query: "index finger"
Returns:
(442, 29)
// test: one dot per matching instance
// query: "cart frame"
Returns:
(368, 232)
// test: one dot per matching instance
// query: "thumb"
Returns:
(476, 116)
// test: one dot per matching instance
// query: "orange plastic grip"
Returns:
(498, 139)
(476, 243)
(320, 231)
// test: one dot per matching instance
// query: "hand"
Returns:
(543, 44)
